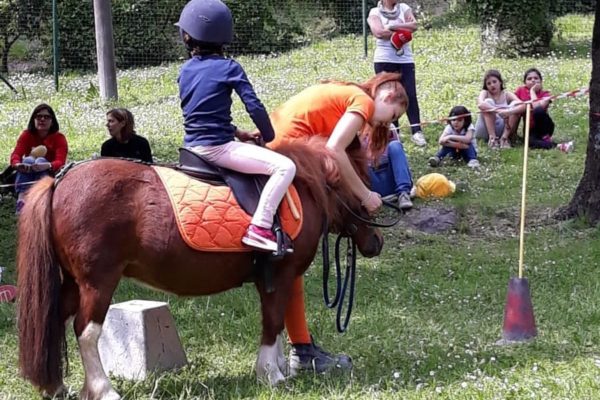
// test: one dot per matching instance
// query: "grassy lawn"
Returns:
(429, 310)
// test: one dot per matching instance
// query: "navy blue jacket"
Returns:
(205, 87)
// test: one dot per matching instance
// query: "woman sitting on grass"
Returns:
(124, 142)
(42, 134)
(390, 176)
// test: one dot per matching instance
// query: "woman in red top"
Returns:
(43, 129)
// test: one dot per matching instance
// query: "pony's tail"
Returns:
(41, 331)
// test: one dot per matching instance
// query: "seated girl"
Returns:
(457, 139)
(541, 125)
(495, 104)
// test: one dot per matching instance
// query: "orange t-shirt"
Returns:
(317, 109)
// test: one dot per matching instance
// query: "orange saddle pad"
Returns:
(209, 217)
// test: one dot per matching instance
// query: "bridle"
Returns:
(349, 279)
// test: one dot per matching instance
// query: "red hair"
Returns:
(378, 137)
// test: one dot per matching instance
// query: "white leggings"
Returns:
(252, 159)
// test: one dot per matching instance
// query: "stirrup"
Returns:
(284, 243)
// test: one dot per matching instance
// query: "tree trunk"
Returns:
(4, 62)
(489, 37)
(586, 200)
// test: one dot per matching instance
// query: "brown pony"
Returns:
(111, 218)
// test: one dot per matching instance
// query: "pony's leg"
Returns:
(93, 307)
(282, 362)
(69, 299)
(69, 304)
(269, 364)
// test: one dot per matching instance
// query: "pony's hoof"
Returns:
(270, 376)
(60, 393)
(108, 395)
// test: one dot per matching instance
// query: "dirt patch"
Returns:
(502, 223)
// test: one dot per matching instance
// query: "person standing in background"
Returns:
(393, 23)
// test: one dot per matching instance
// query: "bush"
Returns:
(266, 26)
(509, 28)
(143, 32)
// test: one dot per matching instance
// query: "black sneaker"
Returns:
(310, 357)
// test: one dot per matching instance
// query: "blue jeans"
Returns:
(23, 179)
(392, 174)
(467, 154)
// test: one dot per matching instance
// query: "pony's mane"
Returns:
(318, 170)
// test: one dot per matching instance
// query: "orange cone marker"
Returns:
(519, 322)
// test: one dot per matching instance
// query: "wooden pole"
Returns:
(524, 192)
(105, 50)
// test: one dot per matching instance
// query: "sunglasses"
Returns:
(41, 117)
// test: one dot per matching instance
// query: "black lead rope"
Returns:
(338, 278)
(349, 278)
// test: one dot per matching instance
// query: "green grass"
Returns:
(429, 310)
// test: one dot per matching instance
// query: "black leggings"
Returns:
(408, 81)
(542, 126)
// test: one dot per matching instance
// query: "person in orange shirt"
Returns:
(340, 111)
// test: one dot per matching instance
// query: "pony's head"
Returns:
(317, 169)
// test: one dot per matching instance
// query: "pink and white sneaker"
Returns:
(260, 238)
(566, 147)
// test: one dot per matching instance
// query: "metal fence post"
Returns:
(55, 47)
(364, 25)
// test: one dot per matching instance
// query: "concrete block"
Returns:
(139, 337)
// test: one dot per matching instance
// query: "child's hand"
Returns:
(372, 202)
(445, 141)
(246, 136)
(504, 112)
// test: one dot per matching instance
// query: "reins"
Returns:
(70, 165)
(349, 279)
